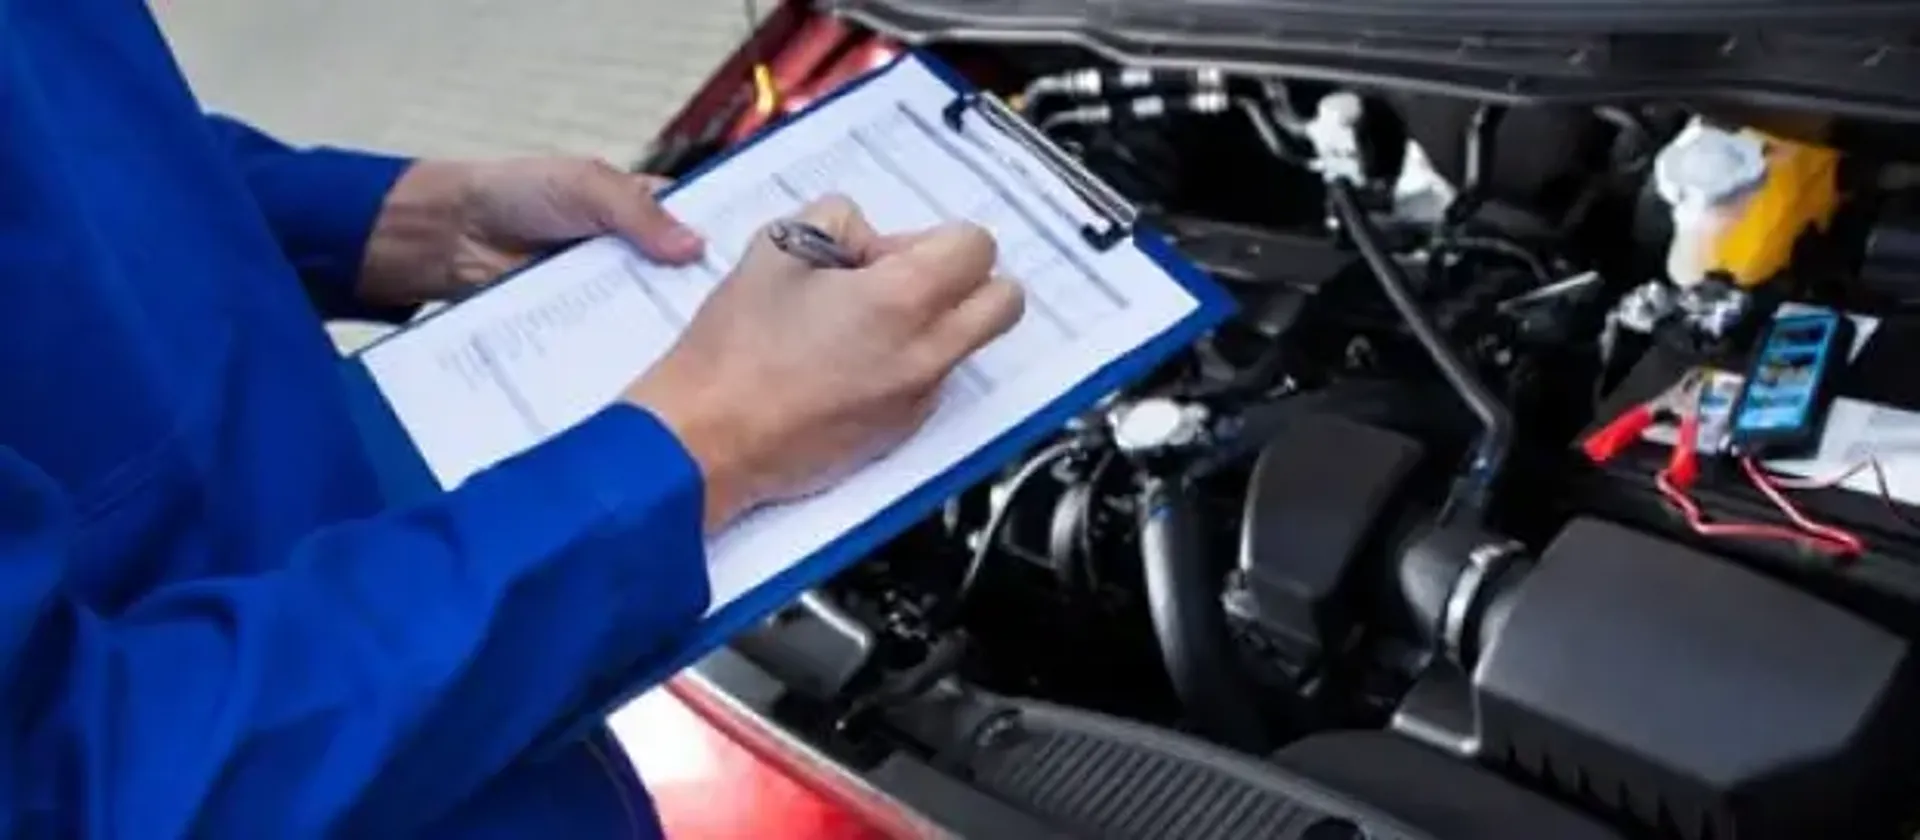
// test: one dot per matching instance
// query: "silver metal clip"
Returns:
(1117, 215)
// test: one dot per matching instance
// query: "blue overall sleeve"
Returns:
(320, 202)
(384, 674)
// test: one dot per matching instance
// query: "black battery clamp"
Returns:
(1782, 407)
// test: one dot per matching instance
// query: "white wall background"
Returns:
(454, 77)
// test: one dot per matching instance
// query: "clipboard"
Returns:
(1108, 221)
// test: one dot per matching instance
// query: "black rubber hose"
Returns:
(1481, 132)
(1183, 599)
(1469, 499)
(1503, 247)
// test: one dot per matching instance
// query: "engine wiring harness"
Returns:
(1681, 407)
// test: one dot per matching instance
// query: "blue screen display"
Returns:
(1787, 375)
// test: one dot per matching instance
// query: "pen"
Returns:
(810, 243)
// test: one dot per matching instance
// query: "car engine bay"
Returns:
(1357, 547)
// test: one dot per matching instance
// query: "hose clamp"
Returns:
(1485, 563)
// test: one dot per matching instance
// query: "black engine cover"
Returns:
(1317, 499)
(1696, 695)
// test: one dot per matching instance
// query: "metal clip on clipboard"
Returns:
(1116, 215)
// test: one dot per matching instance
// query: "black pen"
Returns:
(807, 242)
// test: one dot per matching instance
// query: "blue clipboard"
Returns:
(405, 477)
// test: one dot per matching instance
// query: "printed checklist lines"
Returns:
(530, 358)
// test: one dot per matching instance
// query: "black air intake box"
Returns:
(1692, 694)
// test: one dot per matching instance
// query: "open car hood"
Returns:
(1860, 57)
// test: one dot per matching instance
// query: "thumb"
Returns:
(625, 205)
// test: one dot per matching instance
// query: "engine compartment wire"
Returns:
(1083, 526)
(1503, 247)
(1882, 487)
(1699, 524)
(1682, 401)
(1850, 542)
(1482, 130)
(997, 522)
(1472, 493)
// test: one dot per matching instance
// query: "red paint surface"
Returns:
(706, 787)
(871, 53)
(798, 60)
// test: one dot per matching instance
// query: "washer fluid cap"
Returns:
(1707, 166)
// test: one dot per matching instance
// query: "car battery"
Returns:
(1878, 399)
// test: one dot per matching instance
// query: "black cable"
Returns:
(1281, 99)
(1506, 248)
(1470, 495)
(1084, 528)
(997, 522)
(1634, 126)
(1259, 114)
(1481, 132)
(1645, 146)
(1478, 161)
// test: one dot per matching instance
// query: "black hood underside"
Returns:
(1859, 58)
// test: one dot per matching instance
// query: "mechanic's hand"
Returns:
(789, 376)
(448, 226)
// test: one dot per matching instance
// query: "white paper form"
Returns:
(529, 358)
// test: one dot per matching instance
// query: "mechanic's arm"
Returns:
(396, 232)
(395, 664)
(392, 666)
(320, 202)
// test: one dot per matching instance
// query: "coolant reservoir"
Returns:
(1740, 200)
(1707, 175)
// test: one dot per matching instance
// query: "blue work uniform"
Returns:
(210, 624)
